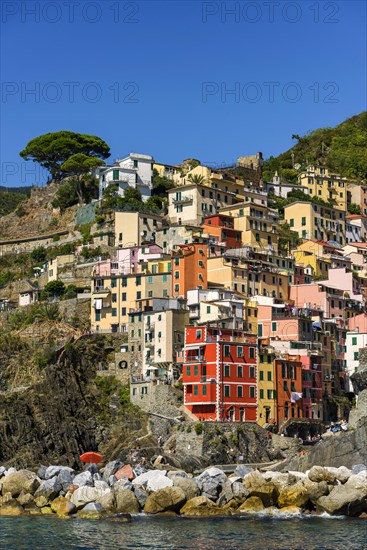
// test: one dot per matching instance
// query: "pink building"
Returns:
(127, 260)
(284, 322)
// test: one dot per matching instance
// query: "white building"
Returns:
(135, 171)
(354, 342)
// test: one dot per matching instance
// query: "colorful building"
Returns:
(316, 221)
(219, 374)
(189, 268)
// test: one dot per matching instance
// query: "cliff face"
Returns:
(61, 415)
(340, 449)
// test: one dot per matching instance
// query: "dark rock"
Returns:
(242, 471)
(92, 468)
(49, 489)
(111, 468)
(41, 472)
(141, 495)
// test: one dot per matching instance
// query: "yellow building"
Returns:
(249, 276)
(313, 255)
(325, 185)
(114, 297)
(56, 264)
(135, 228)
(257, 223)
(166, 170)
(266, 386)
(314, 221)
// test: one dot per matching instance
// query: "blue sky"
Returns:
(156, 77)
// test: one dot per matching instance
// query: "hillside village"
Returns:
(247, 295)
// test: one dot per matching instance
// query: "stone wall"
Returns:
(155, 398)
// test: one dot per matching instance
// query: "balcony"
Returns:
(194, 359)
(184, 199)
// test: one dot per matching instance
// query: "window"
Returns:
(123, 296)
(252, 353)
(239, 391)
(252, 391)
(98, 315)
(285, 385)
(291, 222)
(204, 390)
(261, 394)
(138, 295)
(188, 370)
(239, 351)
(269, 376)
(113, 283)
(208, 309)
(177, 274)
(252, 372)
(354, 341)
(356, 355)
(198, 334)
(114, 297)
(227, 391)
(124, 281)
(227, 352)
(123, 311)
(259, 330)
(274, 326)
(177, 261)
(227, 371)
(303, 221)
(114, 312)
(196, 390)
(115, 175)
(150, 279)
(196, 370)
(177, 288)
(164, 278)
(239, 371)
(138, 281)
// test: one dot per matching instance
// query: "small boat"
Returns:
(311, 441)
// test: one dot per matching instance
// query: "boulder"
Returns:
(125, 472)
(2, 470)
(41, 472)
(242, 471)
(253, 480)
(46, 510)
(142, 479)
(93, 510)
(11, 508)
(111, 468)
(31, 508)
(343, 500)
(126, 502)
(341, 474)
(85, 478)
(85, 494)
(315, 490)
(25, 498)
(294, 495)
(358, 481)
(189, 486)
(177, 473)
(5, 498)
(107, 501)
(92, 468)
(49, 488)
(318, 473)
(202, 506)
(122, 483)
(251, 506)
(164, 500)
(141, 495)
(41, 501)
(65, 478)
(279, 479)
(357, 468)
(267, 492)
(23, 480)
(290, 510)
(100, 484)
(53, 471)
(62, 506)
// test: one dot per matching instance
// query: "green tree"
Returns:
(47, 312)
(80, 165)
(54, 149)
(39, 254)
(53, 288)
(161, 184)
(354, 208)
(196, 178)
(131, 193)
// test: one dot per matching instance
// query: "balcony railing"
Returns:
(194, 359)
(186, 198)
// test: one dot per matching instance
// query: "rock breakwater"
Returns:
(119, 490)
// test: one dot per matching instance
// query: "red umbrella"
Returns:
(91, 458)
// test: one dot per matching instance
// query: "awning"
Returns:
(101, 294)
(195, 346)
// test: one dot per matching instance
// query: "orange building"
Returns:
(221, 227)
(189, 268)
(288, 383)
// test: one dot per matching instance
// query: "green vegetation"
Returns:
(342, 149)
(161, 184)
(131, 201)
(354, 208)
(295, 195)
(54, 149)
(110, 389)
(54, 289)
(199, 428)
(9, 201)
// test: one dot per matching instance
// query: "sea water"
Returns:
(160, 533)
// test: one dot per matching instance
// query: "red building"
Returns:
(221, 227)
(189, 268)
(219, 374)
(288, 384)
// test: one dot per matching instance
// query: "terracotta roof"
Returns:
(358, 245)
